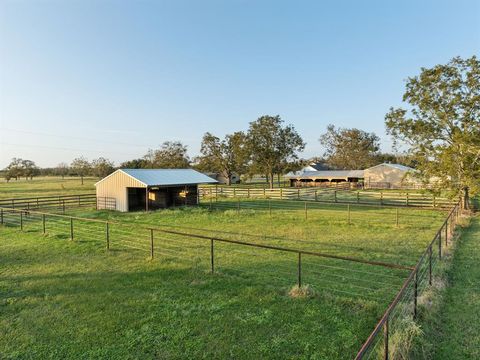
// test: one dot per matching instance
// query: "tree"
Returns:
(349, 148)
(102, 167)
(171, 155)
(62, 169)
(134, 164)
(227, 156)
(29, 169)
(14, 170)
(272, 146)
(81, 167)
(442, 125)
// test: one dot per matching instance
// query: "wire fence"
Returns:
(285, 266)
(388, 198)
(383, 342)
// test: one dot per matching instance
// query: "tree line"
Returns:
(439, 130)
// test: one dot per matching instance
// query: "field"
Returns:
(46, 186)
(74, 299)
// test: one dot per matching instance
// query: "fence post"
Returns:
(43, 223)
(306, 210)
(299, 271)
(264, 193)
(63, 205)
(440, 245)
(151, 243)
(316, 197)
(210, 203)
(358, 197)
(212, 263)
(406, 199)
(79, 200)
(281, 194)
(216, 193)
(434, 203)
(238, 206)
(396, 216)
(248, 192)
(446, 233)
(1, 216)
(430, 265)
(270, 207)
(381, 198)
(21, 220)
(335, 194)
(234, 194)
(71, 228)
(415, 295)
(298, 194)
(348, 211)
(385, 339)
(107, 234)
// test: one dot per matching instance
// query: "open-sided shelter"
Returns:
(150, 189)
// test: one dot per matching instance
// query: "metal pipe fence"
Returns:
(382, 198)
(405, 303)
(58, 202)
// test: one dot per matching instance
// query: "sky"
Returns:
(115, 78)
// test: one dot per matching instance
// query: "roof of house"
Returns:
(166, 177)
(330, 174)
(319, 166)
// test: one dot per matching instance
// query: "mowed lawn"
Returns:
(46, 186)
(73, 299)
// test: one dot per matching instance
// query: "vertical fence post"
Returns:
(434, 202)
(210, 203)
(21, 220)
(234, 193)
(216, 192)
(446, 233)
(430, 265)
(298, 194)
(358, 197)
(316, 195)
(335, 194)
(107, 234)
(238, 206)
(71, 228)
(415, 295)
(63, 206)
(1, 216)
(381, 198)
(264, 193)
(396, 217)
(212, 263)
(306, 210)
(151, 243)
(385, 340)
(348, 216)
(299, 270)
(406, 199)
(440, 245)
(281, 193)
(270, 207)
(43, 224)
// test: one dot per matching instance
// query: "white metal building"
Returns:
(149, 189)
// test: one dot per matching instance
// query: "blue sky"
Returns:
(114, 78)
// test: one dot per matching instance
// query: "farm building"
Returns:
(323, 177)
(222, 179)
(384, 176)
(388, 176)
(149, 189)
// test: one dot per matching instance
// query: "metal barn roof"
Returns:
(395, 166)
(330, 174)
(167, 177)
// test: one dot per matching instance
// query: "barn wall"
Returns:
(384, 174)
(115, 186)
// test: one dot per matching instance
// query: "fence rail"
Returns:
(405, 302)
(58, 202)
(329, 196)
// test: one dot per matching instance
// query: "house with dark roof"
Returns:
(149, 189)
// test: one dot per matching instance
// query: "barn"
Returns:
(390, 176)
(149, 189)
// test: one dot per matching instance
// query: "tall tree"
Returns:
(14, 170)
(272, 146)
(81, 167)
(227, 156)
(349, 148)
(62, 169)
(171, 155)
(442, 125)
(29, 169)
(102, 167)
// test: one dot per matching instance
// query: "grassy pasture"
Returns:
(46, 186)
(73, 299)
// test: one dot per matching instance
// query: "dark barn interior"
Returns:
(160, 197)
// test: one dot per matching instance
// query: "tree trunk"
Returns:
(465, 199)
(270, 180)
(81, 177)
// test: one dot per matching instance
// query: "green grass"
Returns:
(46, 186)
(452, 330)
(73, 300)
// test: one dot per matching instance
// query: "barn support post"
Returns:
(146, 199)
